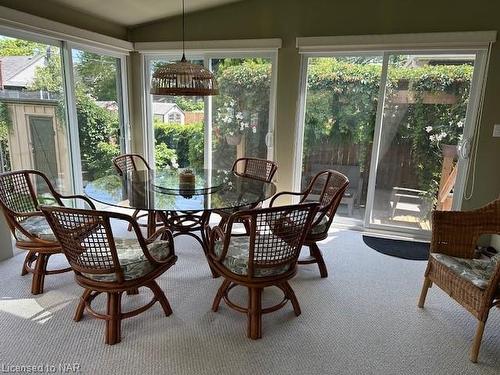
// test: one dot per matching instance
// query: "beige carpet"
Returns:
(363, 319)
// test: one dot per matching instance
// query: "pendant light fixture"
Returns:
(183, 78)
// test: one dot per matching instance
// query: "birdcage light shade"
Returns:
(183, 78)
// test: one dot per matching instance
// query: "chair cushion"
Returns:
(477, 271)
(38, 227)
(236, 259)
(322, 226)
(133, 261)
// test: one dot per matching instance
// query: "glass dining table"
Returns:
(183, 208)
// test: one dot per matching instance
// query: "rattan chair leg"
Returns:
(290, 294)
(423, 294)
(316, 253)
(39, 274)
(113, 320)
(160, 297)
(220, 293)
(81, 305)
(477, 342)
(254, 327)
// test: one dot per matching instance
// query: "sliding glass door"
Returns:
(394, 124)
(339, 121)
(422, 124)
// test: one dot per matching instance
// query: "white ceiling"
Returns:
(135, 12)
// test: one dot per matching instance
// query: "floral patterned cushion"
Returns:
(132, 259)
(38, 227)
(477, 271)
(236, 259)
(322, 226)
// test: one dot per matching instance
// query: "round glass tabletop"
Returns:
(162, 191)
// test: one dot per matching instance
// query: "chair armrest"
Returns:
(276, 196)
(78, 196)
(163, 233)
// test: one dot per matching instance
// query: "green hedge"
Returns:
(185, 140)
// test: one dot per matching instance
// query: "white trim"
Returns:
(471, 130)
(377, 133)
(271, 153)
(73, 135)
(193, 47)
(13, 22)
(399, 42)
(300, 128)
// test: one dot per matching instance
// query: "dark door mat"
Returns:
(399, 248)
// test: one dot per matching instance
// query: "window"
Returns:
(99, 111)
(37, 124)
(33, 127)
(212, 132)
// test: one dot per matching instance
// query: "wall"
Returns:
(68, 16)
(288, 19)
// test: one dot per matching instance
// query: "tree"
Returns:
(19, 47)
(97, 75)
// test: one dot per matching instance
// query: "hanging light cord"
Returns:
(183, 32)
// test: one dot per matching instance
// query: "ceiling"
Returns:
(134, 12)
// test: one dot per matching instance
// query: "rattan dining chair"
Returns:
(19, 200)
(474, 283)
(327, 188)
(105, 264)
(253, 168)
(134, 162)
(266, 257)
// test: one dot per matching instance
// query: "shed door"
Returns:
(44, 147)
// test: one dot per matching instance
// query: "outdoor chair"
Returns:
(266, 256)
(105, 264)
(331, 186)
(474, 283)
(19, 200)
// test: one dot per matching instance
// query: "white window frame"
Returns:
(206, 57)
(474, 43)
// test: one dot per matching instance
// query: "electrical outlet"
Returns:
(496, 130)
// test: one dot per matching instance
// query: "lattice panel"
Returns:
(128, 162)
(15, 193)
(278, 235)
(84, 239)
(259, 169)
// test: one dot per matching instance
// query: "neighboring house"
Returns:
(34, 121)
(168, 112)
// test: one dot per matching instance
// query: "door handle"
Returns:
(464, 148)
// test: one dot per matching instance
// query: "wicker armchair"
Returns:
(19, 201)
(267, 256)
(474, 283)
(327, 188)
(134, 162)
(103, 264)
